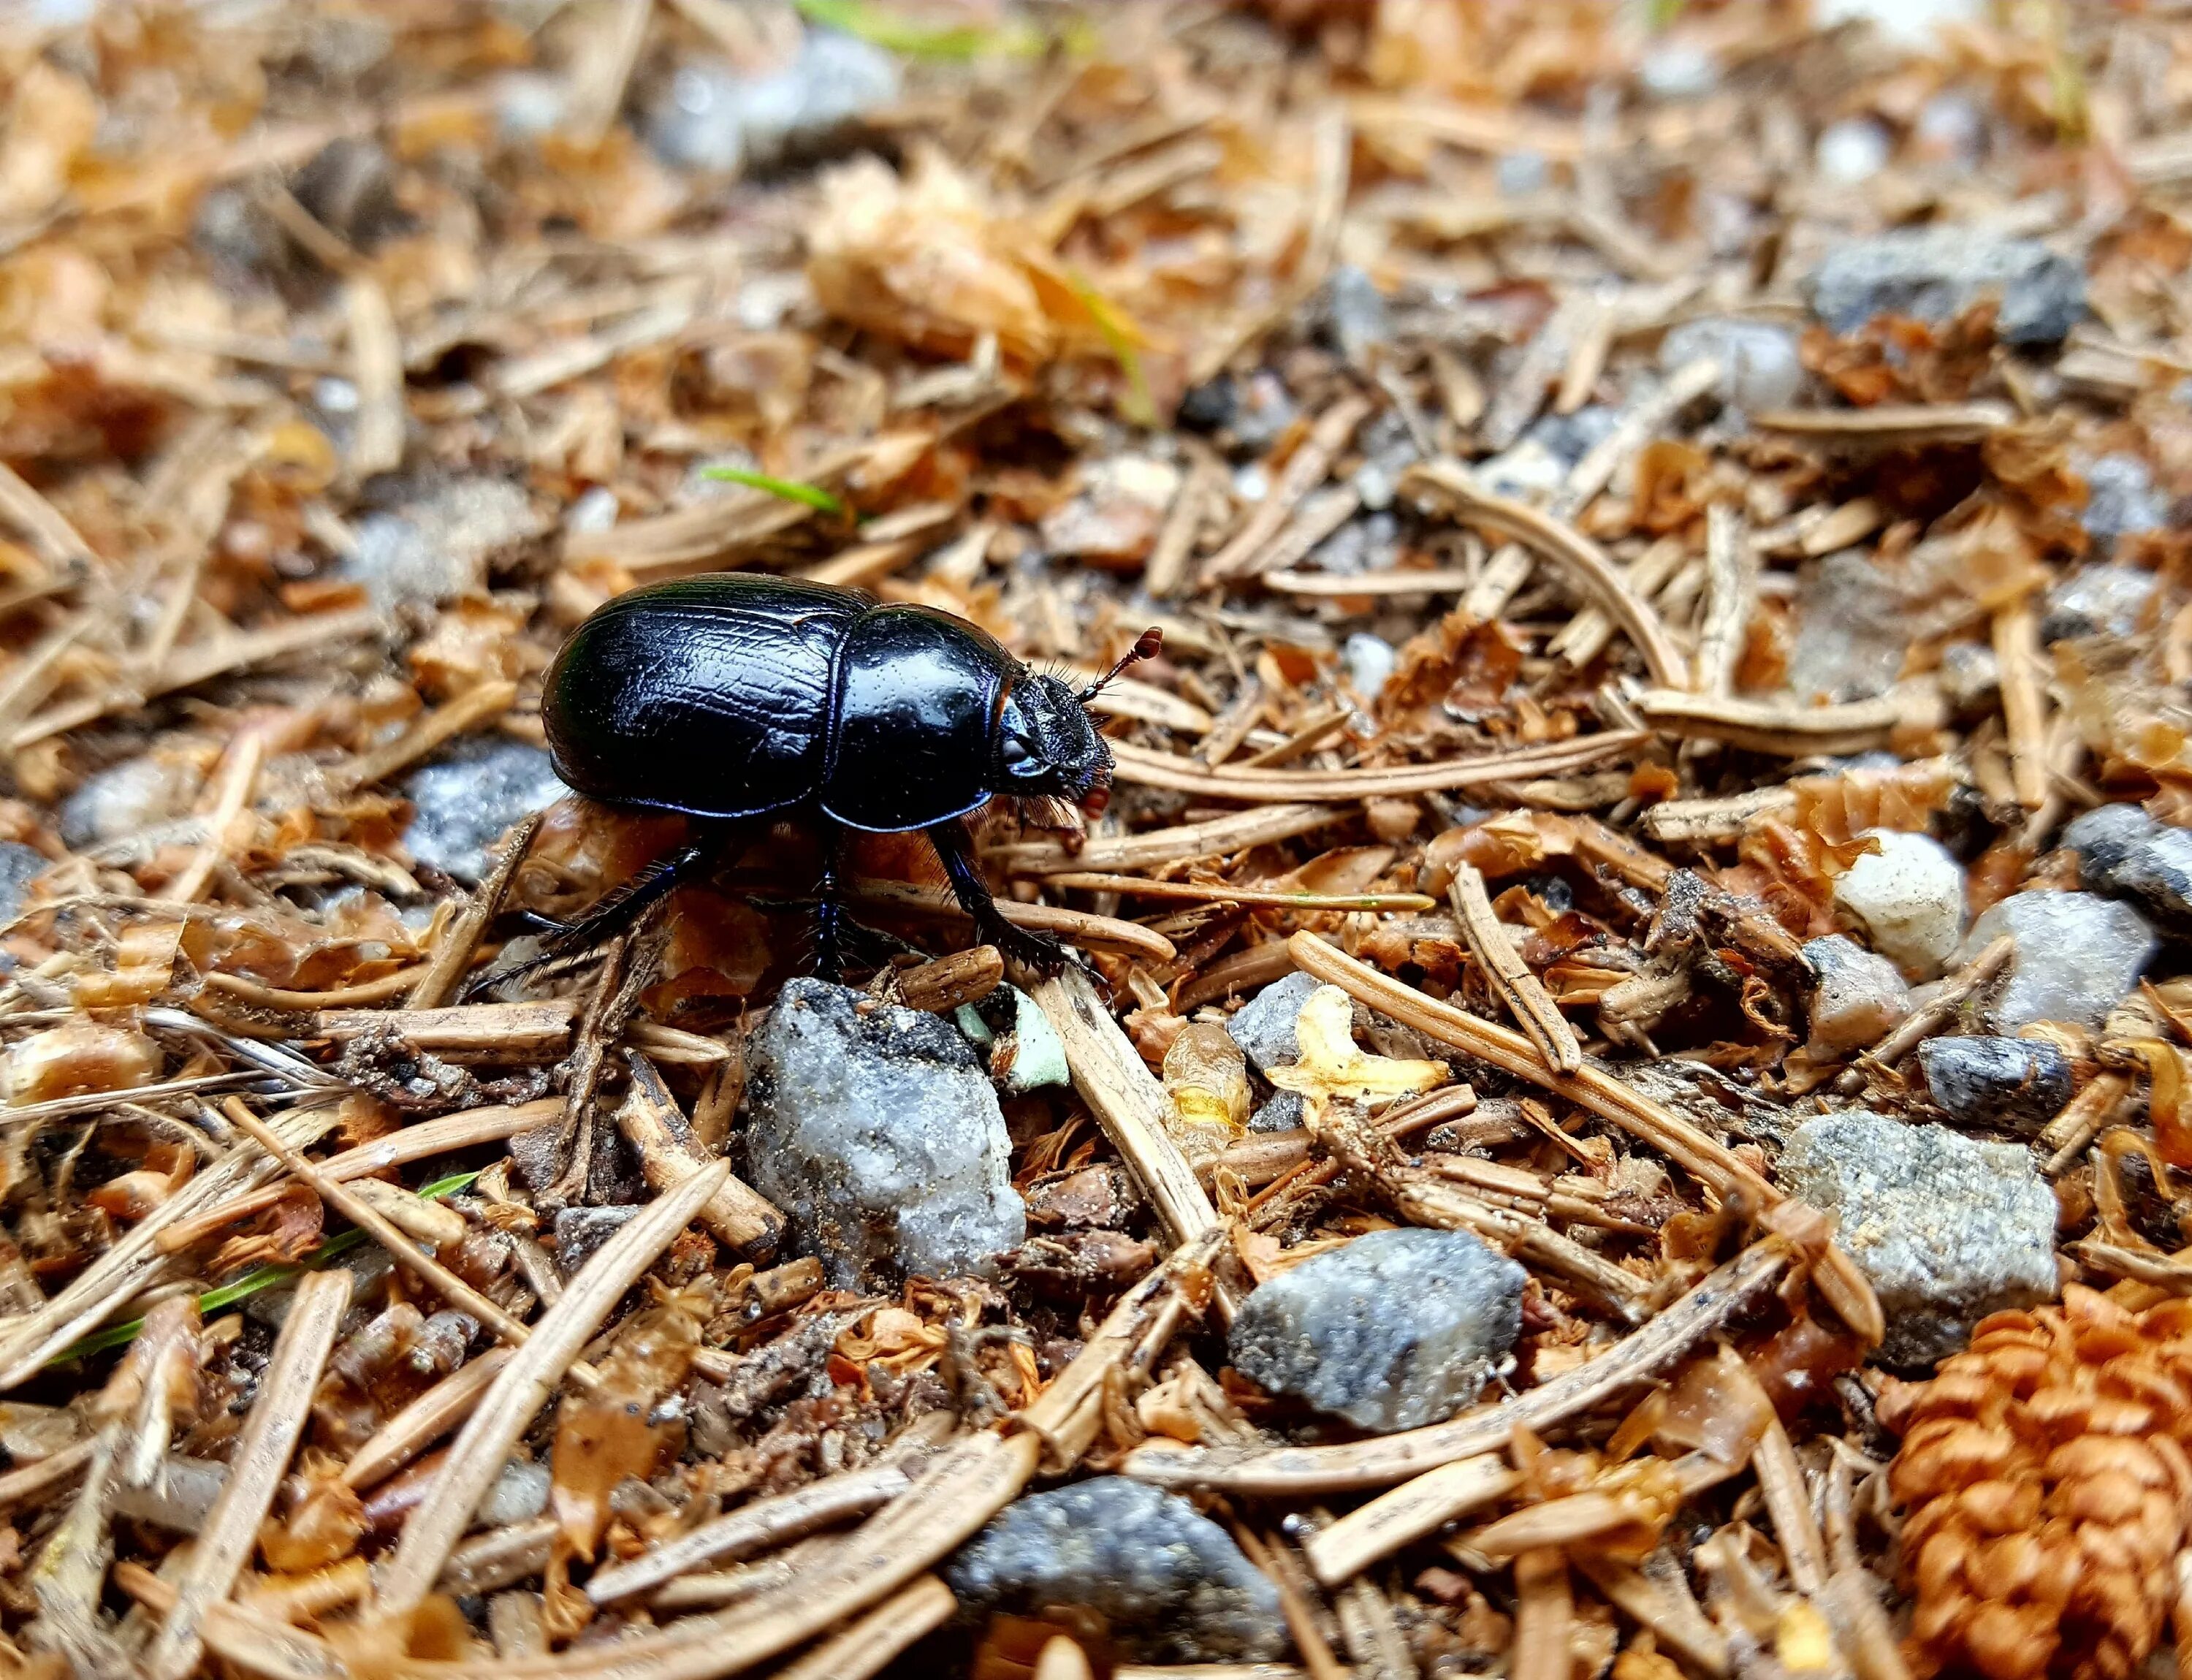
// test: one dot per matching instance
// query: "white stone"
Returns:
(2077, 956)
(1908, 900)
(876, 1131)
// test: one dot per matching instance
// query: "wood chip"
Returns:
(1521, 990)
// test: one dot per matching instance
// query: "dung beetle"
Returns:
(732, 696)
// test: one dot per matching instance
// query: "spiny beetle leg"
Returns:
(954, 848)
(829, 910)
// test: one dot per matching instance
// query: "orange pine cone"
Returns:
(2049, 1486)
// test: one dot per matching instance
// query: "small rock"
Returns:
(518, 1495)
(1859, 999)
(1169, 1584)
(1758, 363)
(1853, 629)
(2077, 956)
(1950, 129)
(1936, 273)
(1521, 173)
(19, 866)
(129, 798)
(2105, 839)
(581, 1231)
(468, 798)
(1362, 545)
(876, 1131)
(1282, 1113)
(2120, 499)
(1038, 1054)
(1528, 472)
(1678, 70)
(1354, 318)
(1946, 1230)
(2124, 852)
(1264, 1027)
(1262, 412)
(1854, 150)
(1970, 678)
(440, 545)
(349, 187)
(1209, 406)
(1908, 900)
(1571, 437)
(1369, 660)
(1906, 22)
(1395, 1330)
(1115, 518)
(711, 116)
(2099, 600)
(2011, 1084)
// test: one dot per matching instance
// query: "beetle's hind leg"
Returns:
(829, 908)
(618, 908)
(954, 848)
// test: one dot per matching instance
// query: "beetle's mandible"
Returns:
(731, 696)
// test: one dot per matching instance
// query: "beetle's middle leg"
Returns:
(829, 908)
(954, 848)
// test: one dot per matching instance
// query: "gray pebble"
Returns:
(710, 115)
(1946, 1230)
(2077, 956)
(878, 1133)
(1758, 362)
(2009, 1084)
(1936, 273)
(1396, 1330)
(1169, 1584)
(582, 1232)
(439, 545)
(19, 866)
(2124, 852)
(1264, 1027)
(2099, 601)
(2120, 499)
(467, 799)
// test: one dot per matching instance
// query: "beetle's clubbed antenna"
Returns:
(1147, 646)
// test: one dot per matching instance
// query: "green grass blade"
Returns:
(1139, 409)
(880, 27)
(813, 495)
(254, 1282)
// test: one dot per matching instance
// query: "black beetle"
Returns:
(731, 696)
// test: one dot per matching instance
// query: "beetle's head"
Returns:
(1048, 744)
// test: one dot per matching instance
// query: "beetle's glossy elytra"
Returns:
(733, 695)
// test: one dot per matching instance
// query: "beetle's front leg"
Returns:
(955, 847)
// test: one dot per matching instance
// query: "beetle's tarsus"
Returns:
(955, 849)
(829, 910)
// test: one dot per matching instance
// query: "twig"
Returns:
(1789, 1502)
(1167, 569)
(1510, 977)
(1788, 728)
(1889, 425)
(419, 1142)
(755, 1527)
(239, 775)
(1305, 469)
(1544, 1615)
(247, 990)
(57, 541)
(1074, 926)
(270, 1433)
(2068, 1135)
(1217, 838)
(425, 1419)
(524, 1386)
(466, 712)
(376, 360)
(1701, 821)
(2024, 699)
(739, 1216)
(1218, 892)
(1401, 1516)
(1553, 540)
(401, 1249)
(1186, 775)
(869, 1644)
(453, 951)
(1730, 595)
(1287, 1472)
(1317, 1653)
(1126, 1100)
(1943, 1004)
